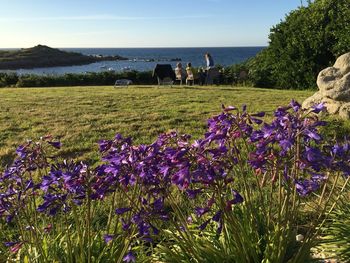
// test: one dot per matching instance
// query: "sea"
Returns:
(145, 59)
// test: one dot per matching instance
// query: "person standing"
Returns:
(209, 78)
(209, 60)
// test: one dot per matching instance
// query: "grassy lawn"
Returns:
(80, 116)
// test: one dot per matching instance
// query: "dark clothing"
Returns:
(201, 78)
(210, 62)
(163, 71)
(212, 74)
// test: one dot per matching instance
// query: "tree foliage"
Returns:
(308, 40)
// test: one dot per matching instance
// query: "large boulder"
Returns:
(334, 88)
(314, 99)
(332, 106)
(344, 111)
(343, 63)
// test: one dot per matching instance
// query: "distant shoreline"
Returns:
(145, 59)
(44, 56)
(63, 48)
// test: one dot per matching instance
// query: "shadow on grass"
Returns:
(221, 88)
(204, 88)
(6, 160)
(201, 88)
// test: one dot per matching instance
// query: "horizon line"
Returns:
(101, 17)
(142, 47)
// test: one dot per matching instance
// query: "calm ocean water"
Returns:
(146, 58)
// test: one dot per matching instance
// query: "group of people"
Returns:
(188, 73)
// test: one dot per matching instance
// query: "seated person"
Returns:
(190, 76)
(180, 73)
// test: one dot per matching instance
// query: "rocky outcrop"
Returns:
(44, 56)
(334, 88)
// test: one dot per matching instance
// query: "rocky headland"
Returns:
(44, 56)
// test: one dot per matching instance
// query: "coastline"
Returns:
(145, 59)
(44, 56)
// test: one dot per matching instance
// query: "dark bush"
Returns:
(9, 79)
(84, 79)
(236, 74)
(307, 41)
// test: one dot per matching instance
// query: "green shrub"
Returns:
(307, 41)
(8, 79)
(336, 237)
(83, 79)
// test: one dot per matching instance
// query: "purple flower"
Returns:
(204, 225)
(286, 144)
(182, 178)
(201, 211)
(158, 204)
(56, 144)
(256, 136)
(257, 121)
(104, 145)
(155, 230)
(129, 257)
(237, 198)
(338, 150)
(305, 187)
(295, 105)
(313, 154)
(318, 177)
(318, 107)
(192, 193)
(122, 210)
(14, 246)
(108, 238)
(21, 151)
(10, 244)
(259, 114)
(217, 216)
(125, 225)
(281, 111)
(257, 161)
(312, 134)
(189, 220)
(9, 218)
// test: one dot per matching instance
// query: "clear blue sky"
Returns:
(140, 23)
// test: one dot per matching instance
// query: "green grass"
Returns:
(80, 116)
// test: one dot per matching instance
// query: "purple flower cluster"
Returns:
(17, 183)
(204, 172)
(196, 169)
(66, 183)
(292, 143)
(340, 157)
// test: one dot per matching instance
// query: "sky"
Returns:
(140, 23)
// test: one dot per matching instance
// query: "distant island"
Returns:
(43, 56)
